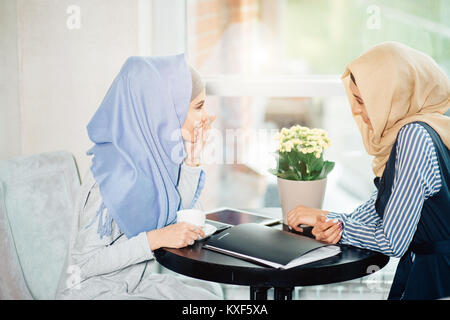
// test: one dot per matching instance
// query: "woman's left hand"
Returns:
(326, 230)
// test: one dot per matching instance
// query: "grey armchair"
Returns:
(37, 196)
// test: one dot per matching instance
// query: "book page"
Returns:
(315, 255)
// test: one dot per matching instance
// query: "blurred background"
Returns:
(267, 64)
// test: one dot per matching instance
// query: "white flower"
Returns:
(303, 139)
(289, 145)
(285, 131)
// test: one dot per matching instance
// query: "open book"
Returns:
(269, 246)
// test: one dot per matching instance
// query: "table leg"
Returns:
(258, 293)
(283, 293)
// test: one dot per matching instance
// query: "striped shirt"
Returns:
(417, 178)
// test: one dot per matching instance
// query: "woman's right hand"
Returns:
(304, 215)
(176, 236)
(194, 148)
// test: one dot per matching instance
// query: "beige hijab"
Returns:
(399, 85)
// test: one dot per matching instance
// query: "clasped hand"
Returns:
(325, 230)
(195, 146)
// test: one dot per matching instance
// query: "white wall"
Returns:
(168, 27)
(10, 140)
(64, 73)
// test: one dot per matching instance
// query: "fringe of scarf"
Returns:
(103, 228)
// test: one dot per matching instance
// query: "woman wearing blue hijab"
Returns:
(147, 134)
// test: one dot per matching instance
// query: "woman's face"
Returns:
(359, 108)
(196, 113)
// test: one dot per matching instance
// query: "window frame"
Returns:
(275, 86)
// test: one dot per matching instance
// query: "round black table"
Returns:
(196, 262)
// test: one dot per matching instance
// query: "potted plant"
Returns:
(301, 170)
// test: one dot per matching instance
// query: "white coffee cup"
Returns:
(192, 216)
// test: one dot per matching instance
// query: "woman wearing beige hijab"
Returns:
(398, 97)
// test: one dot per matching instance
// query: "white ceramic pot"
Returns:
(305, 193)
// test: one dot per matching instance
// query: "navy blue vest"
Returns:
(427, 276)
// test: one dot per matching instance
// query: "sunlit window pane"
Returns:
(309, 37)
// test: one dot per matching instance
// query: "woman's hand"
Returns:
(326, 230)
(176, 236)
(304, 215)
(201, 133)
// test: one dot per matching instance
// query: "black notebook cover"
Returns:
(264, 243)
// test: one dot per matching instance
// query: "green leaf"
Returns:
(327, 167)
(316, 164)
(303, 170)
(293, 165)
(283, 162)
(290, 175)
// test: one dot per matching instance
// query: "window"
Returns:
(303, 37)
(271, 64)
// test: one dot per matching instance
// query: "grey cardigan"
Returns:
(116, 267)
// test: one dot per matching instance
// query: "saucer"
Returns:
(209, 230)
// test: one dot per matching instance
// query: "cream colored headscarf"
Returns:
(399, 85)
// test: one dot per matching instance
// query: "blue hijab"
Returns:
(138, 147)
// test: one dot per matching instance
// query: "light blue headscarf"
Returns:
(138, 145)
